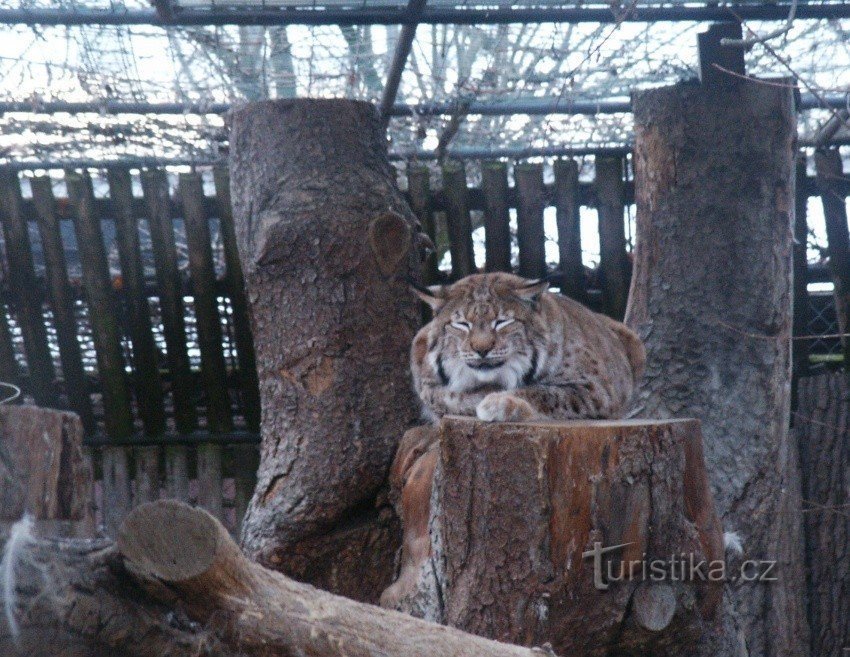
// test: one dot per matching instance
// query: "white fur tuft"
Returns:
(20, 536)
(733, 543)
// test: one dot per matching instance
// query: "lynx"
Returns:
(503, 348)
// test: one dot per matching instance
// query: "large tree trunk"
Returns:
(823, 434)
(496, 546)
(711, 297)
(325, 240)
(176, 584)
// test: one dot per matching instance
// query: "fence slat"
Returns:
(155, 191)
(102, 308)
(568, 218)
(62, 301)
(177, 472)
(147, 382)
(238, 303)
(147, 475)
(246, 460)
(117, 499)
(497, 218)
(614, 263)
(419, 190)
(800, 348)
(9, 371)
(530, 205)
(458, 221)
(23, 284)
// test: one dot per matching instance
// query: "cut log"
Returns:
(42, 469)
(711, 299)
(176, 584)
(497, 545)
(325, 240)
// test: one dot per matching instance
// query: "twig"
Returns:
(16, 392)
(749, 42)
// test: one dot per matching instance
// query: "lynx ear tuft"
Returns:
(432, 295)
(531, 290)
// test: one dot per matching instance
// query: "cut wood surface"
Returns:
(176, 584)
(497, 518)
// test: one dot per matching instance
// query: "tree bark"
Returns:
(176, 584)
(326, 240)
(711, 297)
(496, 545)
(823, 434)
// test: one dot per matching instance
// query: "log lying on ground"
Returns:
(495, 546)
(176, 584)
(326, 240)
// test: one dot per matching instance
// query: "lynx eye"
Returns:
(462, 325)
(502, 322)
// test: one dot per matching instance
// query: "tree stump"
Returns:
(325, 240)
(496, 546)
(711, 299)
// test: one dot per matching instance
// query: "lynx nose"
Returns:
(483, 352)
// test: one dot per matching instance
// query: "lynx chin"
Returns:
(502, 348)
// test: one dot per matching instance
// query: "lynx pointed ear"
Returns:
(432, 295)
(532, 289)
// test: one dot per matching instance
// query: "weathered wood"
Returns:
(246, 460)
(176, 584)
(711, 298)
(10, 371)
(117, 488)
(61, 301)
(23, 286)
(829, 168)
(155, 191)
(146, 379)
(177, 472)
(530, 235)
(800, 347)
(499, 538)
(103, 311)
(209, 478)
(614, 264)
(42, 470)
(236, 288)
(497, 219)
(568, 218)
(823, 436)
(146, 483)
(326, 240)
(719, 65)
(419, 190)
(458, 221)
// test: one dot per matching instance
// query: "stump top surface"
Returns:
(574, 424)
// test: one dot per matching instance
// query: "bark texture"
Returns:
(711, 298)
(176, 584)
(823, 434)
(326, 240)
(496, 545)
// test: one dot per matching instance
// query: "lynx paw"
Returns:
(504, 407)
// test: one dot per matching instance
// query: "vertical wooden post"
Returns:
(497, 228)
(24, 288)
(213, 367)
(530, 205)
(419, 189)
(567, 205)
(829, 171)
(236, 289)
(800, 348)
(62, 301)
(614, 263)
(9, 370)
(457, 219)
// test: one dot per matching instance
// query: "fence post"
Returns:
(569, 229)
(614, 264)
(62, 301)
(497, 218)
(419, 190)
(530, 235)
(458, 222)
(800, 348)
(24, 288)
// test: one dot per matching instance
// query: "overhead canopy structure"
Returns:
(97, 80)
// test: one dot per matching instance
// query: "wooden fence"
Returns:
(129, 309)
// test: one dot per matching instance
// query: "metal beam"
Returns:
(533, 106)
(402, 52)
(395, 15)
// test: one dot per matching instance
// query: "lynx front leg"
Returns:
(505, 407)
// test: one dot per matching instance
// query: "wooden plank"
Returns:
(23, 286)
(246, 460)
(62, 301)
(568, 218)
(800, 348)
(146, 488)
(155, 191)
(497, 219)
(238, 303)
(419, 190)
(828, 167)
(614, 263)
(10, 372)
(530, 235)
(103, 312)
(147, 382)
(715, 59)
(177, 472)
(458, 221)
(209, 478)
(117, 497)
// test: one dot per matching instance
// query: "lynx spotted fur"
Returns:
(502, 348)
